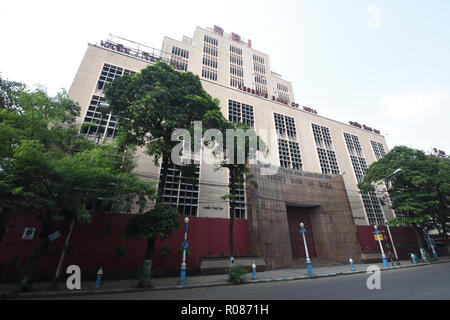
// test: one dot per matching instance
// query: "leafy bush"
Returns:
(236, 274)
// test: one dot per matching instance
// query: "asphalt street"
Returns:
(424, 282)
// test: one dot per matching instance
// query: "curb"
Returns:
(206, 285)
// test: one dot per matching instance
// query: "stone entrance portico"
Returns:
(319, 197)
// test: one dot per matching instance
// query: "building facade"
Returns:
(303, 146)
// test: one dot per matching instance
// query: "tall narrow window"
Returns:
(325, 150)
(371, 202)
(288, 147)
(378, 149)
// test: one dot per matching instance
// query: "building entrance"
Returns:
(295, 216)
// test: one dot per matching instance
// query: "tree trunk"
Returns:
(54, 284)
(417, 235)
(232, 207)
(28, 270)
(159, 198)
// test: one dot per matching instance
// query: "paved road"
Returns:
(424, 282)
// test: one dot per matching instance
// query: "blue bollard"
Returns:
(413, 258)
(253, 271)
(385, 262)
(309, 267)
(99, 278)
(352, 267)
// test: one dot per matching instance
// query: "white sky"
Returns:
(381, 63)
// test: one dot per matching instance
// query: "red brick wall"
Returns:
(94, 245)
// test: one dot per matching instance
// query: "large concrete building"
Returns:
(321, 160)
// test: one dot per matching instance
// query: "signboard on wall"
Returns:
(28, 233)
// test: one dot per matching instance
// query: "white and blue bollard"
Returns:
(309, 267)
(352, 266)
(413, 258)
(184, 246)
(99, 279)
(253, 271)
(308, 261)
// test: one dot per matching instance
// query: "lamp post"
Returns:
(184, 246)
(431, 244)
(383, 256)
(384, 215)
(308, 261)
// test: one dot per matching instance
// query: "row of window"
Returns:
(282, 87)
(236, 71)
(209, 73)
(258, 59)
(284, 97)
(179, 63)
(260, 79)
(210, 61)
(259, 68)
(237, 60)
(208, 49)
(236, 50)
(236, 82)
(211, 40)
(180, 52)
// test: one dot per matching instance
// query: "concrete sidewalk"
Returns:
(122, 286)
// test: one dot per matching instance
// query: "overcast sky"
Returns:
(385, 64)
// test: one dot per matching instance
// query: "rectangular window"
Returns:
(241, 112)
(239, 204)
(325, 150)
(370, 200)
(181, 192)
(288, 148)
(378, 149)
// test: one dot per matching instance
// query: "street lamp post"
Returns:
(308, 261)
(431, 244)
(184, 246)
(383, 256)
(384, 214)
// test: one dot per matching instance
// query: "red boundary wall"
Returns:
(95, 245)
(402, 237)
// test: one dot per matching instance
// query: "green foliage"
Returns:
(159, 221)
(164, 251)
(48, 171)
(121, 251)
(152, 103)
(236, 274)
(420, 193)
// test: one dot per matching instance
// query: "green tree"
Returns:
(420, 193)
(48, 171)
(150, 106)
(235, 155)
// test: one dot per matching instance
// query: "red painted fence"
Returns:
(403, 238)
(96, 245)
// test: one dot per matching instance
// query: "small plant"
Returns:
(221, 253)
(188, 252)
(209, 252)
(236, 274)
(164, 251)
(121, 251)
